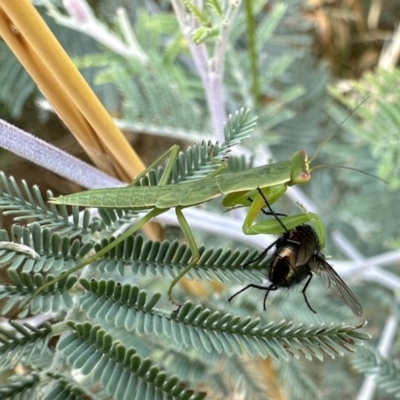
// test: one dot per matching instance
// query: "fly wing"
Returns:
(307, 242)
(335, 283)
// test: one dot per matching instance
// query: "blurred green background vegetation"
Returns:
(300, 66)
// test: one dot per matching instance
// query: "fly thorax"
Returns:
(307, 243)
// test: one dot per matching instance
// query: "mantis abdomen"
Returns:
(144, 197)
(192, 193)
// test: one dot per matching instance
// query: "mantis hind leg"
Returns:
(194, 249)
(173, 152)
(153, 213)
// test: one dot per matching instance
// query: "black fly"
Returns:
(297, 255)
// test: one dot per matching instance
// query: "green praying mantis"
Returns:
(272, 179)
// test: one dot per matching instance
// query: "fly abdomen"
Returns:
(283, 269)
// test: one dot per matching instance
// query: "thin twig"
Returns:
(44, 154)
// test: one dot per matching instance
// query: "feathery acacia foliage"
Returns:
(30, 343)
(385, 370)
(111, 304)
(21, 387)
(121, 371)
(116, 328)
(126, 307)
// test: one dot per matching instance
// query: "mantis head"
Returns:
(301, 172)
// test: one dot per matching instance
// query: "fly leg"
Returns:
(267, 289)
(261, 255)
(304, 292)
(271, 211)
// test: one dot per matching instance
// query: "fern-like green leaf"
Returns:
(215, 5)
(137, 257)
(33, 206)
(200, 15)
(380, 114)
(54, 298)
(16, 86)
(202, 159)
(21, 388)
(203, 33)
(127, 306)
(55, 253)
(386, 371)
(298, 383)
(246, 376)
(23, 344)
(121, 371)
(68, 389)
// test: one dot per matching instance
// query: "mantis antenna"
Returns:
(333, 132)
